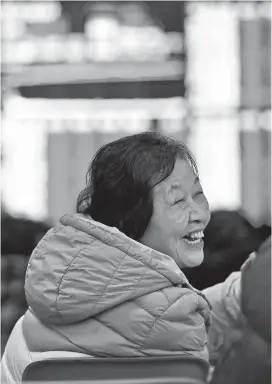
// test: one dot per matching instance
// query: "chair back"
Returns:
(147, 370)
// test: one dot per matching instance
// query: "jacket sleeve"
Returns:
(226, 315)
(256, 291)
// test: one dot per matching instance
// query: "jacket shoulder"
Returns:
(178, 324)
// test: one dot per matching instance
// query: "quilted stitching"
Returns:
(146, 281)
(119, 241)
(108, 283)
(119, 332)
(65, 273)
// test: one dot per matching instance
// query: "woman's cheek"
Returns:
(181, 218)
(207, 211)
(206, 204)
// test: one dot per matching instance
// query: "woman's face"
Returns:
(181, 213)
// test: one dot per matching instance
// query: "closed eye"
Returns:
(179, 201)
(199, 193)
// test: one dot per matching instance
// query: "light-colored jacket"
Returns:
(18, 356)
(227, 323)
(93, 290)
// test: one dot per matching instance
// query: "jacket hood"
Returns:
(82, 268)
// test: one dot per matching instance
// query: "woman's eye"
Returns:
(199, 193)
(179, 201)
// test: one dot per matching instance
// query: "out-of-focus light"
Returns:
(102, 51)
(215, 144)
(10, 10)
(102, 28)
(8, 53)
(248, 10)
(24, 144)
(31, 11)
(213, 58)
(80, 109)
(23, 53)
(50, 50)
(111, 41)
(102, 33)
(12, 30)
(41, 11)
(130, 43)
(249, 121)
(75, 48)
(176, 42)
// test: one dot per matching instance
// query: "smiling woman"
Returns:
(181, 213)
(147, 186)
(126, 174)
(139, 221)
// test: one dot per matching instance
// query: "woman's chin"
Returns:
(191, 257)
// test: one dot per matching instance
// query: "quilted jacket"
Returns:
(93, 290)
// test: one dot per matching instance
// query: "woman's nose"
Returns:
(197, 213)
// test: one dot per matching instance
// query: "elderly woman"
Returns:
(108, 280)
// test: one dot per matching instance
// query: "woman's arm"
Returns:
(226, 315)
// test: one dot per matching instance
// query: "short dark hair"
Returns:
(121, 176)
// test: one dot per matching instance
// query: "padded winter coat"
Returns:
(240, 335)
(93, 290)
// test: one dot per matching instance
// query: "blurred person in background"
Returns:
(229, 240)
(19, 236)
(108, 280)
(240, 335)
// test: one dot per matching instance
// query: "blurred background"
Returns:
(78, 74)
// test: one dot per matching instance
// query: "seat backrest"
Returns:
(147, 370)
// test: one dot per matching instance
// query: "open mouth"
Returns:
(193, 238)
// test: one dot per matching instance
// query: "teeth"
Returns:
(192, 242)
(195, 238)
(197, 235)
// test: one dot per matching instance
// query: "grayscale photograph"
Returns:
(135, 192)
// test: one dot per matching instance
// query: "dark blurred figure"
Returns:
(229, 240)
(19, 237)
(248, 359)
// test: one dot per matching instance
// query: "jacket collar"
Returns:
(152, 259)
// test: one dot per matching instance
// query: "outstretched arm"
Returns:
(226, 314)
